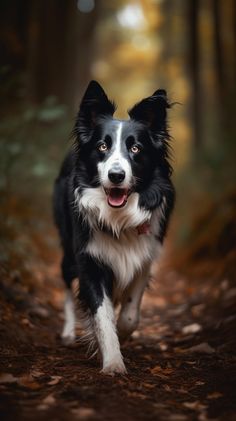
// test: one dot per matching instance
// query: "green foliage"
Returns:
(32, 143)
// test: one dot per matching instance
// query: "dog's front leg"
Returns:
(95, 292)
(105, 331)
(129, 315)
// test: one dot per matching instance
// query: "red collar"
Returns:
(143, 228)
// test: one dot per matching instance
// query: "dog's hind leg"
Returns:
(129, 315)
(68, 332)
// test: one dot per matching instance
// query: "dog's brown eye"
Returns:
(102, 147)
(135, 149)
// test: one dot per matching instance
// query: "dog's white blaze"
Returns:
(105, 331)
(118, 136)
(115, 158)
(68, 332)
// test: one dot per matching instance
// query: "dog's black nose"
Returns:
(116, 176)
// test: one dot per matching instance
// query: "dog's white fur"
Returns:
(93, 204)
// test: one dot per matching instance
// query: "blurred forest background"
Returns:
(51, 49)
(181, 363)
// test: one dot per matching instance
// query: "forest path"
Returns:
(181, 362)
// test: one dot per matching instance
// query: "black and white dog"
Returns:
(113, 199)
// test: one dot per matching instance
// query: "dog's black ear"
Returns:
(94, 104)
(152, 111)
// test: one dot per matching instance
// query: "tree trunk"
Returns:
(193, 15)
(60, 40)
(219, 60)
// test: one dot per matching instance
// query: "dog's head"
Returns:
(121, 155)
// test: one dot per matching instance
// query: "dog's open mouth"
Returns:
(117, 197)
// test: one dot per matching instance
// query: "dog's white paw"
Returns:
(67, 338)
(115, 367)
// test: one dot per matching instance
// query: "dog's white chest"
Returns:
(125, 255)
(125, 252)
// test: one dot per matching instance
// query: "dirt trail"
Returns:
(181, 362)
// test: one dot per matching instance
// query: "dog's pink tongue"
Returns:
(117, 197)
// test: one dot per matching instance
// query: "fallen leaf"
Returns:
(203, 417)
(26, 322)
(163, 346)
(149, 385)
(160, 406)
(179, 350)
(56, 299)
(224, 284)
(7, 378)
(39, 311)
(177, 417)
(214, 395)
(197, 309)
(199, 383)
(29, 382)
(46, 403)
(148, 357)
(196, 405)
(36, 373)
(49, 400)
(42, 407)
(177, 311)
(83, 413)
(136, 395)
(193, 328)
(161, 372)
(231, 293)
(204, 348)
(55, 380)
(182, 390)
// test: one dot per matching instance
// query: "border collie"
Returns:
(112, 202)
